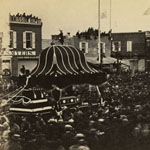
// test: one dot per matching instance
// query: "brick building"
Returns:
(88, 45)
(1, 39)
(134, 48)
(25, 41)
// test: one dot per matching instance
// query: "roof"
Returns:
(62, 66)
(62, 60)
(106, 60)
(138, 32)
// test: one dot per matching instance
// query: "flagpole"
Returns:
(99, 34)
(110, 14)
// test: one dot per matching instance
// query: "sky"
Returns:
(78, 15)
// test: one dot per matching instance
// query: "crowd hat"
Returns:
(82, 142)
(101, 120)
(52, 120)
(82, 147)
(79, 135)
(93, 130)
(71, 121)
(68, 127)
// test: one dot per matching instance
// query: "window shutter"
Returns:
(86, 47)
(104, 48)
(33, 40)
(129, 46)
(80, 45)
(14, 39)
(113, 47)
(119, 46)
(24, 40)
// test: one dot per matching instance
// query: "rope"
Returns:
(11, 93)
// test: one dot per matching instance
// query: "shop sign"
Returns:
(23, 53)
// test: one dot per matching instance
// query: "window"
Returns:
(148, 42)
(116, 46)
(28, 40)
(83, 47)
(12, 39)
(129, 46)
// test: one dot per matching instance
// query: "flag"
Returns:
(147, 12)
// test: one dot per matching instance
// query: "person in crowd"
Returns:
(122, 123)
(22, 76)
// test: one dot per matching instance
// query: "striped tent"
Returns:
(64, 65)
(58, 66)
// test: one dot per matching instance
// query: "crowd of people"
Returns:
(121, 122)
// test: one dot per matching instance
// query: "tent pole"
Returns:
(99, 35)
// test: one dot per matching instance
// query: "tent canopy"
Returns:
(63, 65)
(106, 60)
(67, 59)
(58, 67)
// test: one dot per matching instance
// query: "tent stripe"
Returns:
(46, 73)
(50, 63)
(62, 56)
(69, 61)
(39, 62)
(49, 69)
(86, 70)
(59, 72)
(57, 64)
(74, 61)
(90, 67)
(45, 62)
(30, 110)
(39, 101)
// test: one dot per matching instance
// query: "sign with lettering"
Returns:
(19, 18)
(23, 53)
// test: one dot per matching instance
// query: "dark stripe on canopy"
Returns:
(41, 62)
(83, 61)
(67, 59)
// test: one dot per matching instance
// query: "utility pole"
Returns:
(99, 36)
(110, 16)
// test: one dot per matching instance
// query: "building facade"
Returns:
(1, 41)
(25, 41)
(132, 47)
(89, 46)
